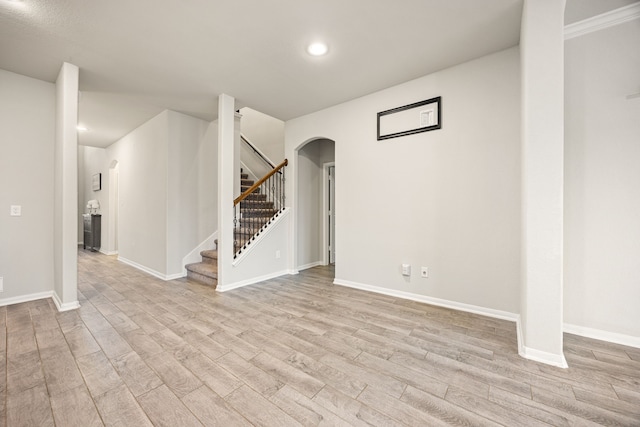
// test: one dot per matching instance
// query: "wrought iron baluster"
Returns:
(253, 210)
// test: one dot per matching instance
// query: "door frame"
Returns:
(325, 213)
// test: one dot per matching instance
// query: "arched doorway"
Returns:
(315, 231)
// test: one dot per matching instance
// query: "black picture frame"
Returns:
(396, 122)
(96, 182)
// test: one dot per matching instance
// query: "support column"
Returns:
(65, 293)
(542, 73)
(226, 163)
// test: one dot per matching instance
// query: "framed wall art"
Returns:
(418, 117)
(96, 182)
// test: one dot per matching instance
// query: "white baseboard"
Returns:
(151, 271)
(498, 314)
(310, 265)
(240, 284)
(25, 298)
(109, 253)
(598, 334)
(64, 306)
(543, 357)
(537, 355)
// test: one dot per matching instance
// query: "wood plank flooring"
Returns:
(292, 351)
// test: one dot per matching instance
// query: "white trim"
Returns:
(602, 21)
(266, 229)
(543, 357)
(194, 255)
(25, 298)
(599, 334)
(254, 280)
(310, 265)
(150, 271)
(538, 355)
(490, 312)
(62, 306)
(110, 253)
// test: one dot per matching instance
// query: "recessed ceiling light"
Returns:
(82, 128)
(317, 49)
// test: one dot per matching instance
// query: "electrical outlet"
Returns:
(1, 284)
(424, 272)
(16, 210)
(277, 254)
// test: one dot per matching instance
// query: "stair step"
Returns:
(255, 197)
(203, 272)
(244, 176)
(244, 188)
(247, 182)
(258, 213)
(255, 204)
(209, 256)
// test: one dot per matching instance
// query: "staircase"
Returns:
(255, 212)
(205, 272)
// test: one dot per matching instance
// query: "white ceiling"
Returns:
(140, 57)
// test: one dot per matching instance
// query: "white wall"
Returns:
(542, 139)
(602, 182)
(167, 190)
(266, 133)
(81, 183)
(261, 262)
(311, 158)
(447, 199)
(143, 159)
(27, 129)
(192, 184)
(93, 160)
(65, 208)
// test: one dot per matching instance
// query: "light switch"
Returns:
(406, 269)
(16, 210)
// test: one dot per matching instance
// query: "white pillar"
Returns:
(226, 164)
(66, 190)
(542, 73)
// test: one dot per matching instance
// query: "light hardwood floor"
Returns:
(291, 351)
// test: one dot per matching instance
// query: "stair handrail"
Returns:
(251, 189)
(257, 151)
